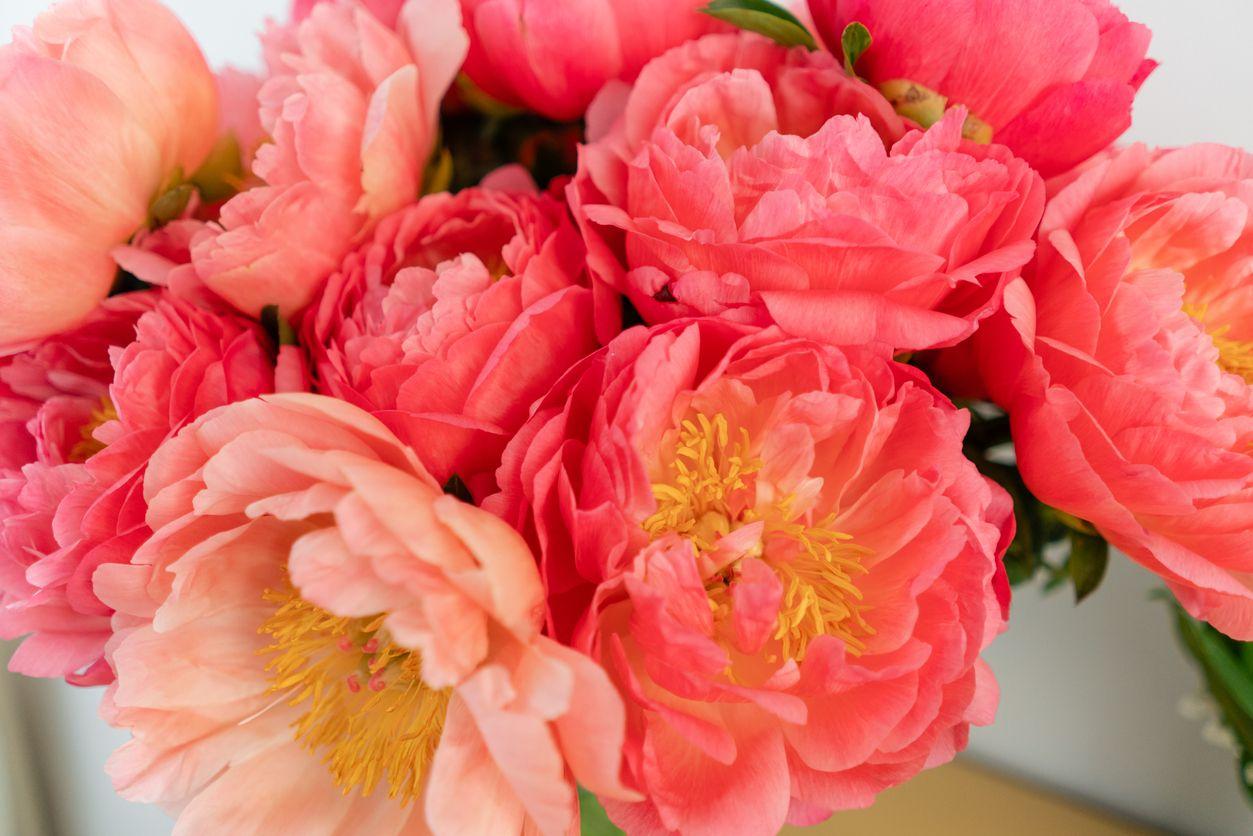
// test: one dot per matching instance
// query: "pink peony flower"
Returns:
(75, 502)
(1131, 402)
(554, 56)
(728, 183)
(352, 106)
(779, 553)
(1053, 80)
(103, 103)
(316, 636)
(457, 316)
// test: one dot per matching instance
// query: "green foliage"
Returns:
(595, 821)
(764, 18)
(1227, 668)
(855, 41)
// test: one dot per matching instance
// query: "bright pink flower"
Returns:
(780, 554)
(316, 637)
(1132, 406)
(352, 106)
(75, 501)
(457, 316)
(1053, 79)
(102, 102)
(729, 183)
(554, 56)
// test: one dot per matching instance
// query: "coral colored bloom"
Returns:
(554, 56)
(102, 102)
(458, 315)
(318, 640)
(352, 106)
(1132, 405)
(780, 554)
(728, 183)
(1053, 80)
(100, 400)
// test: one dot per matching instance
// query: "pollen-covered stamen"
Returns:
(711, 490)
(88, 444)
(1234, 356)
(366, 707)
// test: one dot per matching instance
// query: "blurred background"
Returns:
(1098, 730)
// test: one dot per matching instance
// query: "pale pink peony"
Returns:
(100, 400)
(102, 104)
(1131, 404)
(300, 545)
(1053, 80)
(777, 549)
(729, 183)
(554, 56)
(458, 315)
(352, 106)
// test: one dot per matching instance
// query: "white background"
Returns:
(1090, 694)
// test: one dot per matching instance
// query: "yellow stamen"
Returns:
(1234, 356)
(925, 106)
(366, 706)
(711, 490)
(88, 444)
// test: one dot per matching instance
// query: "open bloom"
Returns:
(554, 56)
(352, 105)
(318, 640)
(1053, 80)
(777, 549)
(102, 104)
(101, 399)
(454, 318)
(729, 183)
(1132, 402)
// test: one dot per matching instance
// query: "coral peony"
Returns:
(456, 317)
(1053, 80)
(75, 501)
(103, 104)
(728, 182)
(1132, 405)
(554, 56)
(316, 637)
(777, 549)
(352, 106)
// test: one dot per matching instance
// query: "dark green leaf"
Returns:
(855, 41)
(595, 821)
(457, 487)
(277, 326)
(764, 18)
(1089, 556)
(170, 204)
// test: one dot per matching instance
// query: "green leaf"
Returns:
(764, 18)
(595, 820)
(170, 204)
(277, 326)
(1089, 557)
(221, 175)
(855, 41)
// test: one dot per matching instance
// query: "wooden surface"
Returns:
(964, 799)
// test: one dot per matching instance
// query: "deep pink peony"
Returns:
(317, 640)
(1132, 405)
(352, 106)
(778, 551)
(728, 182)
(1053, 80)
(554, 56)
(458, 315)
(102, 104)
(99, 401)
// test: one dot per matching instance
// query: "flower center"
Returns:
(710, 490)
(1234, 356)
(926, 107)
(365, 704)
(88, 445)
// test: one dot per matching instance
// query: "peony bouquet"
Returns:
(505, 417)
